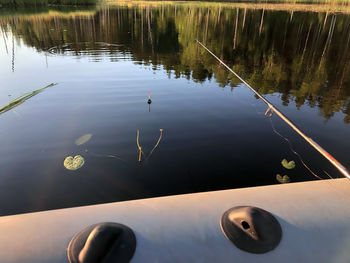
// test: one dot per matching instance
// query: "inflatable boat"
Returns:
(298, 222)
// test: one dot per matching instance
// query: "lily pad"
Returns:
(283, 180)
(83, 139)
(73, 163)
(288, 165)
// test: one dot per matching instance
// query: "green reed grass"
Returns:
(328, 2)
(287, 1)
(18, 101)
(46, 2)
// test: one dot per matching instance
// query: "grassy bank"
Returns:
(21, 3)
(328, 2)
(286, 1)
(292, 7)
(47, 12)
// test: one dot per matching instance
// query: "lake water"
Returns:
(215, 134)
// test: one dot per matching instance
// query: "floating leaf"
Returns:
(73, 163)
(282, 180)
(288, 165)
(83, 139)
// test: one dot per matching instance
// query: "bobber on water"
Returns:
(149, 101)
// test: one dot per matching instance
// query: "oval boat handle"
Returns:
(102, 243)
(251, 229)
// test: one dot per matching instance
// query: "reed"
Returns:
(45, 13)
(29, 3)
(156, 145)
(337, 6)
(140, 152)
(258, 2)
(286, 1)
(138, 146)
(18, 101)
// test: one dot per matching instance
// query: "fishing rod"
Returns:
(272, 109)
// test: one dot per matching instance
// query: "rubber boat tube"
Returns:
(314, 217)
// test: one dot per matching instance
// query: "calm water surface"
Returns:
(215, 134)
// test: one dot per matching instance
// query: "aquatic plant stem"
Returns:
(140, 155)
(138, 145)
(316, 146)
(155, 146)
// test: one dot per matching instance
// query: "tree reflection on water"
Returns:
(303, 56)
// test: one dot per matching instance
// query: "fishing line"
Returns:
(269, 114)
(292, 150)
(322, 151)
(328, 175)
(105, 155)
